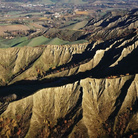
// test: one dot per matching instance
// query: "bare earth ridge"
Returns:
(82, 90)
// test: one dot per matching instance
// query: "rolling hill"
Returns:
(36, 41)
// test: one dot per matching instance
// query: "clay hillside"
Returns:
(81, 90)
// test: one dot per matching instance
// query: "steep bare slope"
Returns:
(94, 107)
(84, 90)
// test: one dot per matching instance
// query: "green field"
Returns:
(5, 43)
(37, 41)
(76, 26)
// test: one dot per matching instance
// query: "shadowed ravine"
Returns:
(82, 90)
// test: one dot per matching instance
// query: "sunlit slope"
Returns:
(76, 26)
(84, 90)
